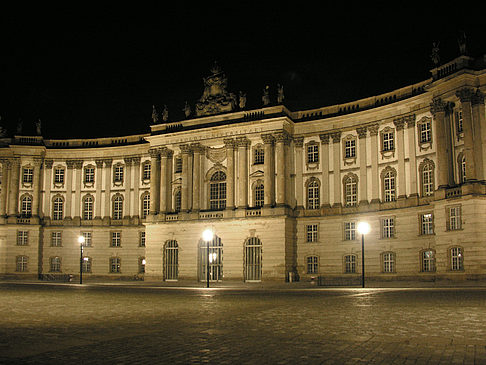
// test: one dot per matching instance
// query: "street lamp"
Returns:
(363, 228)
(207, 236)
(81, 245)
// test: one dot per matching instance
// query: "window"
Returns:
(459, 124)
(388, 259)
(428, 260)
(27, 175)
(462, 170)
(26, 206)
(313, 194)
(388, 140)
(253, 259)
(141, 265)
(349, 231)
(56, 239)
(87, 263)
(389, 183)
(456, 259)
(58, 208)
(350, 190)
(177, 200)
(425, 131)
(258, 155)
(313, 153)
(427, 176)
(142, 239)
(350, 264)
(22, 238)
(89, 175)
(21, 263)
(59, 175)
(88, 203)
(388, 227)
(115, 265)
(115, 239)
(259, 195)
(217, 191)
(178, 165)
(426, 224)
(171, 260)
(454, 218)
(312, 265)
(55, 264)
(118, 207)
(87, 239)
(312, 230)
(146, 170)
(118, 174)
(350, 147)
(145, 205)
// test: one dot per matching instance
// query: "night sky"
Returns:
(93, 72)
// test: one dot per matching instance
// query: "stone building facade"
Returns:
(281, 190)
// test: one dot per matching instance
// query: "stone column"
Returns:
(465, 96)
(230, 173)
(336, 145)
(78, 165)
(281, 139)
(170, 155)
(186, 152)
(48, 183)
(479, 118)
(99, 182)
(438, 108)
(449, 141)
(412, 159)
(128, 187)
(375, 182)
(363, 175)
(299, 184)
(154, 180)
(242, 146)
(197, 151)
(325, 170)
(136, 186)
(13, 200)
(164, 152)
(3, 194)
(268, 170)
(401, 181)
(69, 188)
(108, 163)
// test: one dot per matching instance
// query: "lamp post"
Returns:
(207, 236)
(81, 245)
(363, 228)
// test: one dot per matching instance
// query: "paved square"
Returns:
(121, 324)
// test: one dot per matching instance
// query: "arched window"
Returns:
(215, 257)
(217, 191)
(389, 184)
(313, 194)
(145, 205)
(117, 207)
(88, 203)
(177, 200)
(253, 259)
(259, 194)
(350, 182)
(171, 260)
(26, 206)
(57, 208)
(427, 177)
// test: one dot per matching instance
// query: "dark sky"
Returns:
(93, 72)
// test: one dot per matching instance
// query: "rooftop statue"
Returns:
(155, 115)
(242, 100)
(215, 98)
(165, 114)
(435, 54)
(462, 43)
(280, 94)
(266, 96)
(187, 110)
(38, 127)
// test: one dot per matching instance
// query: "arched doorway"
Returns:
(215, 260)
(253, 259)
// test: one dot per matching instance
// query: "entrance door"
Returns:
(215, 257)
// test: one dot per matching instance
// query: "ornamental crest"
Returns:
(216, 155)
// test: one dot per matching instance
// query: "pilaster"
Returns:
(363, 186)
(325, 170)
(336, 145)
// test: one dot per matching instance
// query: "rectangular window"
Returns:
(27, 175)
(118, 174)
(350, 148)
(21, 263)
(425, 132)
(313, 153)
(454, 215)
(87, 239)
(86, 267)
(115, 265)
(259, 156)
(59, 175)
(456, 259)
(146, 170)
(22, 238)
(388, 141)
(388, 227)
(388, 262)
(428, 261)
(56, 239)
(55, 264)
(312, 230)
(142, 239)
(350, 264)
(426, 224)
(178, 165)
(459, 121)
(312, 265)
(115, 239)
(89, 174)
(349, 231)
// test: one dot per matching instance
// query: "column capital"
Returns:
(373, 129)
(324, 138)
(128, 161)
(282, 136)
(336, 137)
(136, 160)
(185, 149)
(48, 163)
(242, 142)
(164, 152)
(410, 120)
(399, 123)
(465, 95)
(78, 164)
(437, 106)
(99, 163)
(108, 162)
(362, 132)
(299, 141)
(154, 152)
(37, 161)
(229, 142)
(197, 148)
(477, 98)
(268, 138)
(70, 163)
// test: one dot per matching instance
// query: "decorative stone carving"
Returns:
(216, 155)
(336, 137)
(215, 99)
(299, 141)
(477, 97)
(324, 138)
(437, 106)
(399, 123)
(268, 138)
(48, 164)
(373, 129)
(361, 132)
(465, 95)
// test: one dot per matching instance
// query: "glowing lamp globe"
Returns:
(363, 227)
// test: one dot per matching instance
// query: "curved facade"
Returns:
(282, 191)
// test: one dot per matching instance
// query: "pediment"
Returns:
(257, 173)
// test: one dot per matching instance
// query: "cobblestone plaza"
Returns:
(128, 324)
